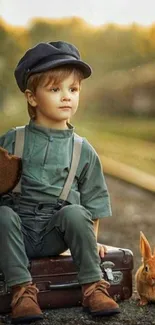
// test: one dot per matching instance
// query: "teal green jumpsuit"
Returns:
(33, 224)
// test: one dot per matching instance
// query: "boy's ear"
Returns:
(30, 98)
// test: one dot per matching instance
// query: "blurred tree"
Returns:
(10, 51)
(42, 31)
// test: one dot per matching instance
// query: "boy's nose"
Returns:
(65, 97)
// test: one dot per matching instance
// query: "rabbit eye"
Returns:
(146, 268)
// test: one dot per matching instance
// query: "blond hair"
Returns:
(54, 76)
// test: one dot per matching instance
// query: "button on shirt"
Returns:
(47, 159)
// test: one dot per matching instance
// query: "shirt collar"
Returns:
(44, 131)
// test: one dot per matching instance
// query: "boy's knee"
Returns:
(7, 217)
(76, 213)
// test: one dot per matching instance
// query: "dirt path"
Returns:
(133, 210)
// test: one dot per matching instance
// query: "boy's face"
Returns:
(56, 103)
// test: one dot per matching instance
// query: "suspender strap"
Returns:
(19, 145)
(75, 161)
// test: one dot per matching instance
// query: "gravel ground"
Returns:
(133, 210)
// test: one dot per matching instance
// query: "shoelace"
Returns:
(100, 285)
(27, 291)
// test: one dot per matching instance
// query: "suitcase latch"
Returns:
(107, 267)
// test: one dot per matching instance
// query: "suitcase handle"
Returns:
(73, 285)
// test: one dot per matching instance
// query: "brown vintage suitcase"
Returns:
(56, 279)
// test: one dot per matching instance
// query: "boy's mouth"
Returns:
(65, 107)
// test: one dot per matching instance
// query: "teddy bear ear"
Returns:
(145, 247)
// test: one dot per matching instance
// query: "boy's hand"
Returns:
(102, 250)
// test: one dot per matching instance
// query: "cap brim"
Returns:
(84, 67)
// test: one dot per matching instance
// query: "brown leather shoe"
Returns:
(25, 308)
(97, 301)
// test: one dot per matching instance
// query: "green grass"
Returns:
(139, 128)
(131, 144)
(9, 121)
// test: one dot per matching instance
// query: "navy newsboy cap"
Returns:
(45, 56)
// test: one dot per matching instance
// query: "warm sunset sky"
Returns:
(96, 12)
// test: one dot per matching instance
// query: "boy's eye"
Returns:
(54, 89)
(73, 89)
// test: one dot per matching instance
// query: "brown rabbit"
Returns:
(145, 275)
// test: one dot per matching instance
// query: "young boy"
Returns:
(31, 225)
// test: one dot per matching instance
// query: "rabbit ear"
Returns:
(145, 247)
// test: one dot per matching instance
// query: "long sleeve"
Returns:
(94, 194)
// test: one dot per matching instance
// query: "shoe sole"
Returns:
(108, 312)
(26, 319)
